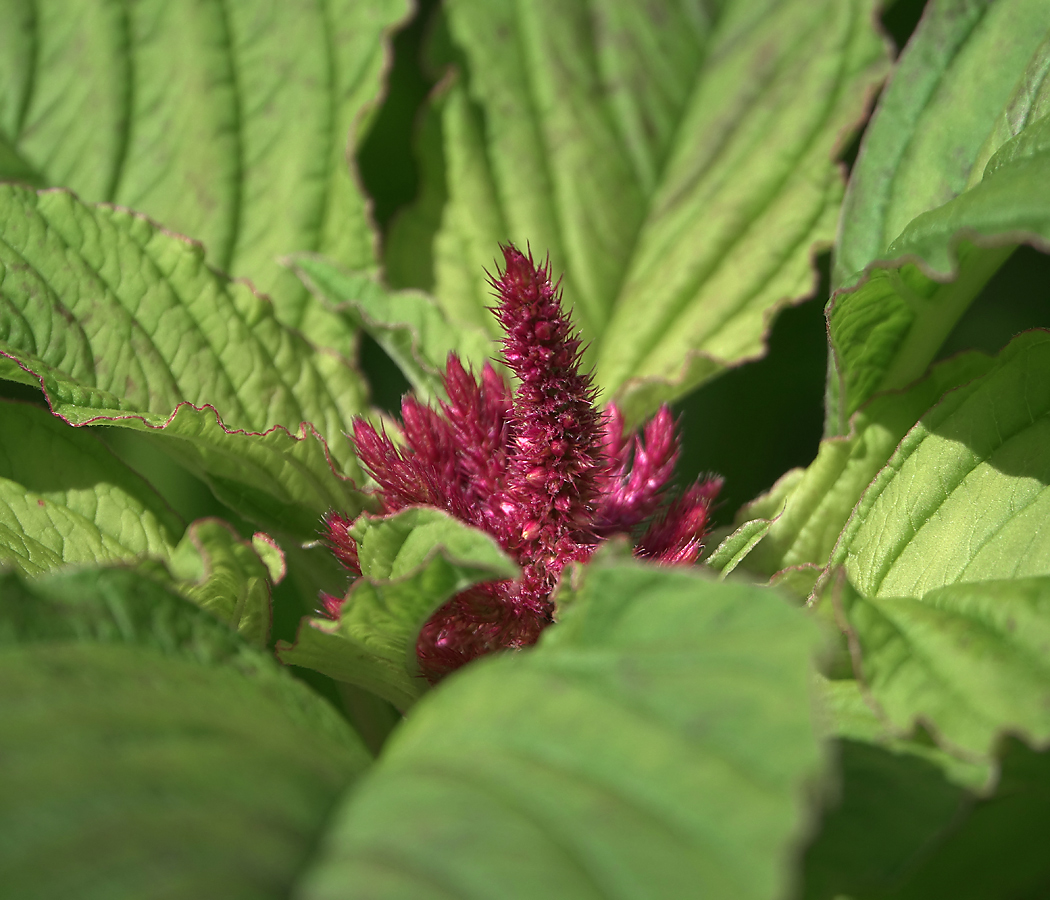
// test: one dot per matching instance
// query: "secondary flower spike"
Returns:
(542, 470)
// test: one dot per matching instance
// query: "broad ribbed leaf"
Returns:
(799, 522)
(123, 324)
(676, 161)
(231, 121)
(952, 177)
(411, 563)
(148, 752)
(969, 660)
(408, 325)
(226, 576)
(654, 744)
(66, 500)
(964, 498)
(972, 76)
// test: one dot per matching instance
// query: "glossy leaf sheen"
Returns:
(123, 324)
(151, 751)
(965, 495)
(675, 161)
(411, 563)
(227, 120)
(654, 744)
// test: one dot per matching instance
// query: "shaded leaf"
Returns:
(229, 122)
(123, 324)
(614, 136)
(66, 500)
(411, 563)
(654, 744)
(408, 325)
(226, 576)
(151, 751)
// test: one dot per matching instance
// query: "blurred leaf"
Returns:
(411, 564)
(971, 661)
(676, 162)
(964, 496)
(232, 123)
(889, 809)
(148, 752)
(123, 324)
(655, 743)
(226, 576)
(408, 325)
(952, 176)
(999, 850)
(66, 500)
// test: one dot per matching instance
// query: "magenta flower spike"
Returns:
(541, 470)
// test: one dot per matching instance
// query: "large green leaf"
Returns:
(123, 324)
(654, 744)
(66, 500)
(799, 522)
(964, 498)
(231, 122)
(952, 177)
(411, 563)
(676, 161)
(148, 752)
(972, 76)
(415, 333)
(969, 660)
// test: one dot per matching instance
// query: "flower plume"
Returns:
(541, 470)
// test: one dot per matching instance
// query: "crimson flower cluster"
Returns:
(540, 469)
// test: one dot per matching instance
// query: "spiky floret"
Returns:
(542, 471)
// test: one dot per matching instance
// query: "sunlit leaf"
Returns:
(676, 161)
(123, 324)
(230, 122)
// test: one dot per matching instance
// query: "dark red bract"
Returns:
(542, 470)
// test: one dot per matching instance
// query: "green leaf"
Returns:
(232, 123)
(655, 743)
(853, 715)
(964, 497)
(951, 178)
(999, 849)
(799, 522)
(633, 144)
(408, 325)
(971, 77)
(226, 576)
(889, 810)
(969, 660)
(411, 564)
(66, 500)
(150, 752)
(123, 324)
